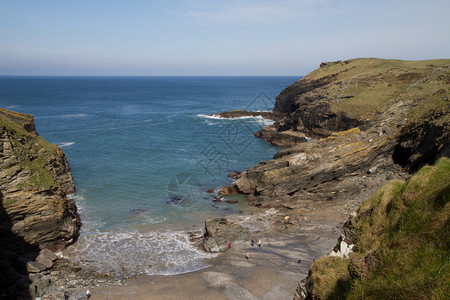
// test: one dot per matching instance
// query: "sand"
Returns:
(272, 271)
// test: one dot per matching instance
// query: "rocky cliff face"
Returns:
(35, 213)
(371, 120)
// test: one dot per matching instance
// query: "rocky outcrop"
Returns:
(35, 213)
(277, 138)
(372, 120)
(24, 120)
(220, 232)
(232, 114)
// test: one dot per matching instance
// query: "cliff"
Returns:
(400, 237)
(371, 120)
(35, 213)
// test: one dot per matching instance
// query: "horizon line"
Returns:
(4, 75)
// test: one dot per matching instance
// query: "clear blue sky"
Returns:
(213, 37)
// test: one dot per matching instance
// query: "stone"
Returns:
(210, 191)
(220, 232)
(47, 263)
(34, 267)
(228, 190)
(46, 254)
(234, 174)
(270, 115)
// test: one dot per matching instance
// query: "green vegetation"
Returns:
(376, 84)
(407, 225)
(33, 152)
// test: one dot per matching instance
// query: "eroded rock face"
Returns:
(220, 232)
(36, 217)
(370, 120)
(34, 183)
(327, 169)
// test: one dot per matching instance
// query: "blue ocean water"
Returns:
(143, 152)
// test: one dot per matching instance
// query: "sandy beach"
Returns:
(272, 270)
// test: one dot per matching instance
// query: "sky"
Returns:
(213, 37)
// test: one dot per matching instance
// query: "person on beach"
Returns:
(259, 243)
(229, 245)
(247, 256)
(252, 243)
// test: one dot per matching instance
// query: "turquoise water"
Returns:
(143, 152)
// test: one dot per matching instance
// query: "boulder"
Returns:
(228, 190)
(232, 114)
(220, 232)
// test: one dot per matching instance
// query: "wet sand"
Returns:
(272, 271)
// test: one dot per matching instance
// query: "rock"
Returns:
(228, 190)
(281, 139)
(316, 170)
(47, 263)
(346, 240)
(220, 232)
(243, 113)
(46, 254)
(35, 267)
(234, 174)
(217, 199)
(210, 191)
(233, 201)
(304, 289)
(34, 212)
(138, 211)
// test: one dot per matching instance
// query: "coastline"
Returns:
(314, 186)
(272, 270)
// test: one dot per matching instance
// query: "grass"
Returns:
(33, 152)
(377, 84)
(408, 224)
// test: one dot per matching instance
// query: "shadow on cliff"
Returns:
(15, 256)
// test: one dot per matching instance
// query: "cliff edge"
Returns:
(368, 121)
(399, 241)
(35, 214)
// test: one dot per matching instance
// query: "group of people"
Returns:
(247, 256)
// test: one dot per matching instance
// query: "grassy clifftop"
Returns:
(402, 242)
(31, 151)
(368, 86)
(358, 92)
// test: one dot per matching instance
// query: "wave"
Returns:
(131, 253)
(63, 116)
(65, 144)
(258, 119)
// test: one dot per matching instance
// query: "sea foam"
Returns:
(129, 253)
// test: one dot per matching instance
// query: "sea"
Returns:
(144, 151)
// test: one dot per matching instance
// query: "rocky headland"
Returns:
(347, 128)
(368, 120)
(36, 217)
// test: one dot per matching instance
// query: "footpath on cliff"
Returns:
(348, 128)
